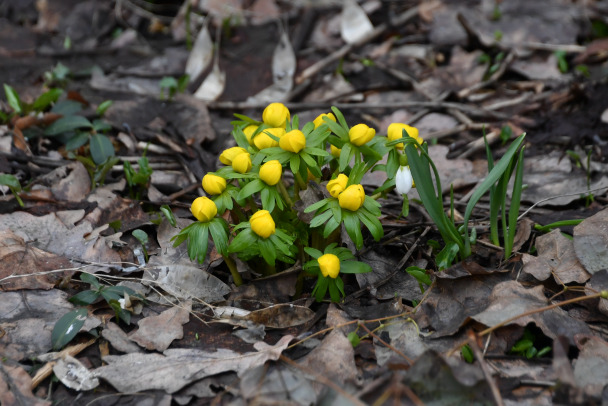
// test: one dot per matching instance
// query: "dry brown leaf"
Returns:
(179, 367)
(119, 339)
(73, 374)
(334, 359)
(591, 242)
(281, 316)
(510, 299)
(591, 367)
(50, 234)
(22, 265)
(555, 256)
(15, 387)
(158, 332)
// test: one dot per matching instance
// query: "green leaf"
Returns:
(420, 275)
(66, 124)
(334, 293)
(103, 107)
(315, 253)
(321, 219)
(267, 250)
(67, 327)
(252, 187)
(217, 228)
(446, 256)
(11, 181)
(166, 210)
(515, 202)
(13, 99)
(141, 236)
(317, 205)
(353, 338)
(67, 107)
(330, 226)
(345, 156)
(198, 241)
(354, 267)
(490, 180)
(77, 141)
(522, 345)
(353, 228)
(372, 223)
(243, 241)
(101, 126)
(46, 99)
(90, 279)
(294, 163)
(84, 298)
(320, 288)
(101, 148)
(467, 354)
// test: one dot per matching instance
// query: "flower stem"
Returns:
(236, 276)
(376, 196)
(283, 191)
(300, 181)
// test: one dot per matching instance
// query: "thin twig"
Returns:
(484, 368)
(387, 345)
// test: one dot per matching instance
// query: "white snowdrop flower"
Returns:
(403, 180)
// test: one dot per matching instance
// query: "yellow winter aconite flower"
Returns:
(263, 140)
(242, 163)
(228, 155)
(319, 120)
(329, 265)
(395, 131)
(271, 172)
(334, 151)
(262, 223)
(293, 141)
(204, 209)
(352, 197)
(361, 134)
(337, 186)
(248, 131)
(213, 184)
(276, 115)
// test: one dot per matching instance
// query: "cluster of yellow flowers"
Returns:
(351, 197)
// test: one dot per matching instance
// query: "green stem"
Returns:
(236, 276)
(300, 181)
(376, 196)
(283, 192)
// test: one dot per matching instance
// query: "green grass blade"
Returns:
(515, 202)
(490, 180)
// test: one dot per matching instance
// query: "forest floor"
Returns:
(528, 330)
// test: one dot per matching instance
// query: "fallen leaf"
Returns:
(591, 366)
(201, 54)
(70, 183)
(510, 299)
(276, 386)
(28, 318)
(187, 282)
(15, 387)
(74, 375)
(119, 339)
(354, 22)
(555, 257)
(158, 332)
(591, 242)
(179, 367)
(23, 266)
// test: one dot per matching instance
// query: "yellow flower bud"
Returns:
(352, 197)
(293, 141)
(228, 155)
(276, 115)
(213, 184)
(204, 209)
(248, 131)
(395, 131)
(263, 140)
(329, 265)
(361, 134)
(271, 172)
(319, 120)
(262, 223)
(335, 151)
(242, 163)
(337, 186)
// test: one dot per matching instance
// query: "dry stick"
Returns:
(602, 295)
(322, 379)
(387, 345)
(556, 196)
(480, 85)
(340, 53)
(47, 369)
(484, 368)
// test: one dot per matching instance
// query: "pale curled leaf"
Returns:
(201, 54)
(354, 23)
(179, 367)
(74, 375)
